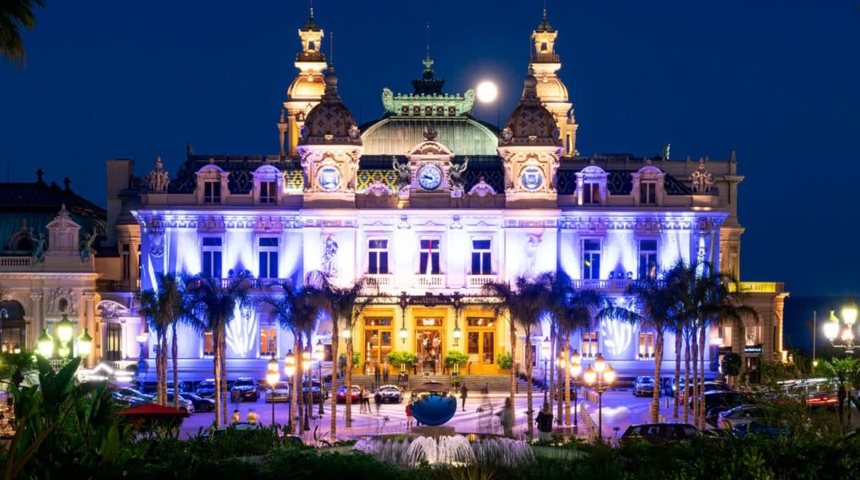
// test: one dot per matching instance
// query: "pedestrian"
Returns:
(464, 392)
(252, 417)
(376, 374)
(506, 417)
(361, 400)
(365, 400)
(236, 417)
(544, 422)
(377, 399)
(408, 416)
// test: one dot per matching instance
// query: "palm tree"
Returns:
(506, 297)
(161, 308)
(15, 15)
(214, 302)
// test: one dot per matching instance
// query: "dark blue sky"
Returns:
(777, 80)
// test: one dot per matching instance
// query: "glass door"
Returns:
(428, 345)
(377, 343)
(481, 344)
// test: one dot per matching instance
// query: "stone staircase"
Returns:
(476, 383)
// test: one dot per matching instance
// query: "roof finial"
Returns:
(544, 10)
(331, 50)
(312, 9)
(427, 55)
(428, 62)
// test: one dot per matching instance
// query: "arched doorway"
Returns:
(13, 327)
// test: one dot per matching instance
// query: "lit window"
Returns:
(268, 341)
(647, 259)
(268, 255)
(268, 193)
(429, 257)
(211, 192)
(591, 193)
(589, 344)
(591, 259)
(648, 193)
(481, 257)
(377, 257)
(211, 257)
(646, 345)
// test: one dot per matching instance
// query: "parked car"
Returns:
(355, 392)
(658, 433)
(314, 390)
(200, 404)
(185, 405)
(206, 388)
(245, 388)
(723, 399)
(643, 386)
(740, 415)
(761, 429)
(130, 397)
(281, 393)
(390, 393)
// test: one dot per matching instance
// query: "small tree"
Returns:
(402, 359)
(456, 359)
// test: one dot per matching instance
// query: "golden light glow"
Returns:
(487, 92)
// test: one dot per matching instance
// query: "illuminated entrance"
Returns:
(481, 344)
(428, 345)
(377, 342)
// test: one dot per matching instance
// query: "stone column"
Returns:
(88, 322)
(36, 319)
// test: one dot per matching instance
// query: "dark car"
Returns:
(206, 389)
(761, 429)
(723, 399)
(129, 397)
(658, 433)
(643, 386)
(390, 393)
(200, 404)
(245, 388)
(355, 391)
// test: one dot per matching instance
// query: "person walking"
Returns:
(464, 392)
(365, 400)
(252, 417)
(506, 417)
(377, 399)
(408, 417)
(361, 400)
(236, 418)
(544, 422)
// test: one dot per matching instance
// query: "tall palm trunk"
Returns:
(158, 374)
(694, 347)
(513, 363)
(558, 383)
(679, 337)
(334, 340)
(658, 364)
(529, 387)
(567, 379)
(163, 385)
(223, 381)
(175, 352)
(294, 388)
(216, 360)
(349, 383)
(550, 367)
(684, 397)
(701, 397)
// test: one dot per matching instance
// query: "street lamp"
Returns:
(319, 355)
(458, 334)
(600, 376)
(45, 344)
(404, 302)
(839, 336)
(289, 371)
(272, 377)
(575, 372)
(85, 344)
(544, 350)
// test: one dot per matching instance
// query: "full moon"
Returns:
(487, 91)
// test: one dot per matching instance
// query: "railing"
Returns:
(758, 287)
(16, 262)
(378, 280)
(478, 281)
(431, 281)
(607, 285)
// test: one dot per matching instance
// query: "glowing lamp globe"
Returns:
(849, 315)
(85, 344)
(599, 363)
(486, 92)
(590, 376)
(575, 370)
(609, 375)
(831, 328)
(290, 364)
(45, 344)
(576, 359)
(65, 329)
(347, 334)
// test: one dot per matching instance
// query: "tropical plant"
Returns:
(505, 361)
(16, 15)
(456, 358)
(846, 375)
(163, 307)
(15, 367)
(213, 302)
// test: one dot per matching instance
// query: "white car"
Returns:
(741, 415)
(184, 404)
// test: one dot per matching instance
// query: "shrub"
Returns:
(504, 361)
(456, 357)
(399, 358)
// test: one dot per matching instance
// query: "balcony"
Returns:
(431, 281)
(478, 281)
(378, 280)
(15, 262)
(614, 285)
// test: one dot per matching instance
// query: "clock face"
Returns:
(328, 178)
(531, 178)
(429, 177)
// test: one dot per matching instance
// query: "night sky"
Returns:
(777, 80)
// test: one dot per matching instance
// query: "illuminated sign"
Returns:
(754, 349)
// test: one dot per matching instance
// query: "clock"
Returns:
(429, 177)
(328, 178)
(531, 178)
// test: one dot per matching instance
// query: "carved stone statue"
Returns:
(701, 179)
(404, 175)
(329, 263)
(158, 179)
(39, 246)
(429, 132)
(455, 175)
(354, 132)
(507, 135)
(86, 244)
(482, 188)
(388, 99)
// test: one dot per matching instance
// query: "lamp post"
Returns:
(458, 334)
(545, 350)
(558, 388)
(575, 372)
(600, 376)
(65, 330)
(404, 302)
(319, 354)
(85, 345)
(840, 332)
(45, 344)
(272, 377)
(289, 371)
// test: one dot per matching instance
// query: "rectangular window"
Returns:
(591, 259)
(648, 193)
(126, 261)
(377, 257)
(591, 193)
(589, 344)
(647, 259)
(211, 192)
(208, 344)
(646, 345)
(481, 257)
(268, 255)
(268, 341)
(113, 341)
(429, 257)
(472, 343)
(211, 257)
(268, 193)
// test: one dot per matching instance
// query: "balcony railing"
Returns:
(478, 281)
(16, 262)
(614, 285)
(378, 280)
(431, 281)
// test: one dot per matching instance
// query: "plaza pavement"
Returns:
(620, 409)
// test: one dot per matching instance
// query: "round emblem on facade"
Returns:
(429, 177)
(531, 178)
(328, 178)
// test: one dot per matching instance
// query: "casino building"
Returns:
(427, 204)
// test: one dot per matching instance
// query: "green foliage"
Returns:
(356, 360)
(15, 367)
(504, 361)
(731, 364)
(456, 357)
(399, 358)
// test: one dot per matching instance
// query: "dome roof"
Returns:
(305, 88)
(551, 89)
(330, 122)
(396, 135)
(530, 123)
